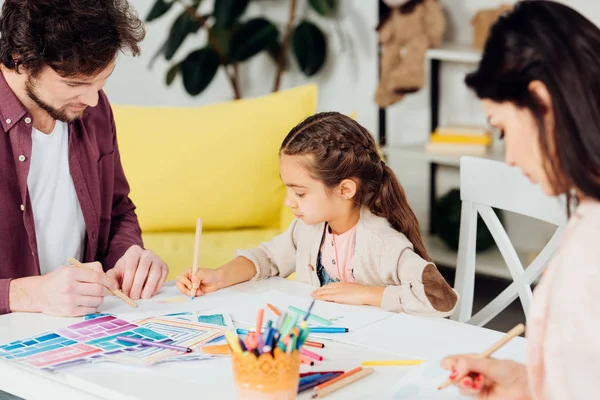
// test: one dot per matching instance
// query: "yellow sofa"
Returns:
(216, 162)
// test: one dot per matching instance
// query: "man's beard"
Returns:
(58, 114)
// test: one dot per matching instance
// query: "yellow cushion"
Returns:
(217, 162)
(217, 248)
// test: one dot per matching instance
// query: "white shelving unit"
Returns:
(455, 53)
(418, 151)
(489, 262)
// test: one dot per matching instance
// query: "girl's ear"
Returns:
(347, 189)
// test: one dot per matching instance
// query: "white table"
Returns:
(391, 338)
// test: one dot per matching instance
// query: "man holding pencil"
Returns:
(63, 189)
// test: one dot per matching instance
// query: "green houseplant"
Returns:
(234, 39)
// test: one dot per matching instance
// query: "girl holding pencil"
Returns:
(354, 236)
(539, 81)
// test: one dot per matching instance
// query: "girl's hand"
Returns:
(488, 378)
(205, 281)
(350, 293)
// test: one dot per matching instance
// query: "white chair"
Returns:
(485, 184)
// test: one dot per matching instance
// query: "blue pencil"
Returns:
(309, 310)
(316, 382)
(304, 380)
(328, 329)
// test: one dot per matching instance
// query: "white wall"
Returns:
(347, 82)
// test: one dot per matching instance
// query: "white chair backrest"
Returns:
(487, 184)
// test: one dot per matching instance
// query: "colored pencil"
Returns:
(310, 343)
(259, 319)
(217, 349)
(328, 329)
(303, 374)
(317, 381)
(313, 317)
(343, 376)
(196, 258)
(334, 386)
(272, 308)
(310, 354)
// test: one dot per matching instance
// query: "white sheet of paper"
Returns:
(433, 338)
(341, 315)
(161, 306)
(422, 383)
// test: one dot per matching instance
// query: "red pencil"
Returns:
(259, 320)
(310, 343)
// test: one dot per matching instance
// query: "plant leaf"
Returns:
(198, 69)
(159, 9)
(183, 26)
(172, 73)
(251, 38)
(221, 37)
(227, 12)
(324, 7)
(310, 47)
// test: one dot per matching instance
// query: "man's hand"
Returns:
(139, 273)
(71, 292)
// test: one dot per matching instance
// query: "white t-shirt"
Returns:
(59, 224)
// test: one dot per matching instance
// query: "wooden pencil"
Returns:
(339, 378)
(321, 393)
(114, 292)
(516, 331)
(196, 259)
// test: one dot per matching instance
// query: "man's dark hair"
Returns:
(73, 37)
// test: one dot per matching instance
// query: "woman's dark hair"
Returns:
(73, 37)
(343, 149)
(549, 42)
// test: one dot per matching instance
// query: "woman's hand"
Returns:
(488, 378)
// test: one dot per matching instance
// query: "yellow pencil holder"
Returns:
(267, 377)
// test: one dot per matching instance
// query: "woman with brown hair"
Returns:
(539, 83)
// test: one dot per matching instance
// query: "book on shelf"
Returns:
(459, 140)
(457, 149)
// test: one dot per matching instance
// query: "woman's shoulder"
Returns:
(581, 236)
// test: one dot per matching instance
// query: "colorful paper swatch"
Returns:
(180, 332)
(76, 343)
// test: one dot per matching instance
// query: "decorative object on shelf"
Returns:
(459, 140)
(410, 28)
(233, 39)
(447, 222)
(483, 21)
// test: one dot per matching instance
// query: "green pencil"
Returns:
(316, 318)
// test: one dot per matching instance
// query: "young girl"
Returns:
(354, 234)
